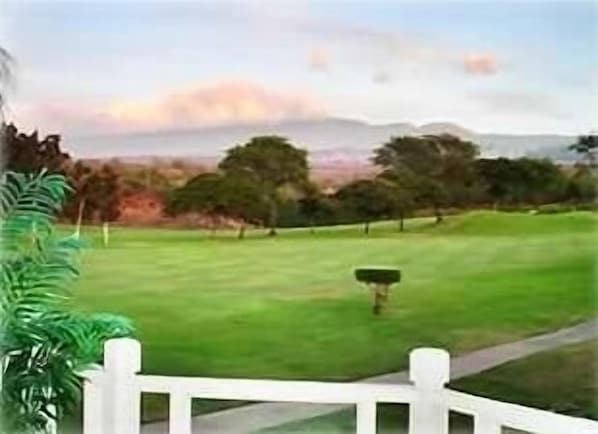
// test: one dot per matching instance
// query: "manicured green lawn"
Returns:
(562, 380)
(289, 308)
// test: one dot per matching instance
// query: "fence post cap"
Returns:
(429, 368)
(122, 355)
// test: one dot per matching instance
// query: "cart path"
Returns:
(255, 417)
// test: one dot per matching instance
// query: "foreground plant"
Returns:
(44, 346)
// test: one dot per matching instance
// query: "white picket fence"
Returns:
(112, 397)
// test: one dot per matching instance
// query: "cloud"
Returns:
(381, 77)
(480, 64)
(319, 60)
(402, 53)
(221, 103)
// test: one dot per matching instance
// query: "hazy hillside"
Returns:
(332, 140)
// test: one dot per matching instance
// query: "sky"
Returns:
(85, 68)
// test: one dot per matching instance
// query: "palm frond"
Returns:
(43, 346)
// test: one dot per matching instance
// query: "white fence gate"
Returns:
(112, 397)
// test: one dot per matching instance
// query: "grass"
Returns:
(289, 307)
(562, 380)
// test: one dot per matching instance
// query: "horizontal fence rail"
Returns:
(503, 414)
(278, 391)
(112, 397)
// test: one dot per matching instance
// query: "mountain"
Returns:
(329, 140)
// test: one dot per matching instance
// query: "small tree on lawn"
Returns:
(235, 195)
(273, 163)
(242, 199)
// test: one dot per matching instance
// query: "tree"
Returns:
(368, 200)
(439, 169)
(582, 186)
(45, 345)
(587, 147)
(519, 181)
(243, 200)
(26, 153)
(273, 163)
(498, 177)
(541, 180)
(315, 207)
(235, 195)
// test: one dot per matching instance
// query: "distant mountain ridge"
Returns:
(328, 140)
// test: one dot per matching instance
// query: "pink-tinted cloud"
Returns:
(480, 64)
(319, 60)
(222, 103)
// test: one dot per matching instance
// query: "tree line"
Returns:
(265, 182)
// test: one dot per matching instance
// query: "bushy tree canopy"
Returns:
(273, 163)
(437, 169)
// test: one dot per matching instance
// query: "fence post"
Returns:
(122, 360)
(366, 417)
(93, 402)
(429, 370)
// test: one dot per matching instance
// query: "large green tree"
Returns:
(274, 164)
(234, 195)
(438, 169)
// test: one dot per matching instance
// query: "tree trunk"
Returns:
(312, 229)
(366, 228)
(241, 231)
(401, 222)
(80, 218)
(438, 214)
(105, 233)
(378, 300)
(273, 218)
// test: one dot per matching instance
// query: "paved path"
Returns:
(254, 417)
